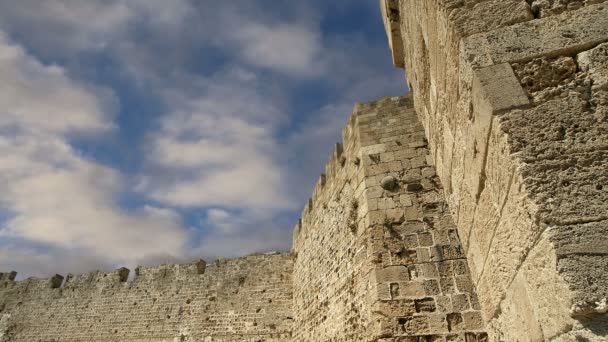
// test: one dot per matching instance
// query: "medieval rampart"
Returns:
(245, 299)
(472, 210)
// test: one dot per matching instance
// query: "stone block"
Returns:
(392, 274)
(560, 35)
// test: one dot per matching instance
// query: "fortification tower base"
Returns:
(513, 96)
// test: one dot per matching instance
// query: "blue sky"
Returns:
(135, 132)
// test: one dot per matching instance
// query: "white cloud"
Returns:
(29, 261)
(289, 48)
(219, 149)
(64, 27)
(67, 25)
(55, 196)
(40, 97)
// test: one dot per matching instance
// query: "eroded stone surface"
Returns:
(515, 112)
(246, 299)
(399, 272)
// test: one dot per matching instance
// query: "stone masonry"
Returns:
(513, 96)
(378, 257)
(473, 209)
(246, 299)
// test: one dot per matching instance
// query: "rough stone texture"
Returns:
(378, 255)
(246, 299)
(545, 8)
(474, 209)
(514, 105)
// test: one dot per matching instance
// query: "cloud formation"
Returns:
(53, 195)
(227, 112)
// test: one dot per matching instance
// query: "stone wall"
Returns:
(245, 299)
(513, 96)
(377, 254)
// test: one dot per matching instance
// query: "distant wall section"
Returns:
(245, 299)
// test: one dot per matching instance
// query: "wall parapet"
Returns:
(231, 299)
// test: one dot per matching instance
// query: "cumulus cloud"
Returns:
(52, 194)
(69, 25)
(292, 49)
(219, 149)
(42, 98)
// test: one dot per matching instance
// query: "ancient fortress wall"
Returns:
(246, 299)
(513, 96)
(474, 209)
(377, 254)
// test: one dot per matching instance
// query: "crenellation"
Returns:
(248, 297)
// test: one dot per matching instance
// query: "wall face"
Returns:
(513, 98)
(246, 299)
(332, 291)
(378, 256)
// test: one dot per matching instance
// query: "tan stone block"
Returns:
(374, 192)
(412, 213)
(560, 35)
(464, 284)
(438, 324)
(455, 322)
(392, 274)
(411, 289)
(515, 236)
(427, 270)
(500, 164)
(383, 290)
(441, 237)
(395, 166)
(431, 287)
(405, 200)
(476, 259)
(423, 254)
(460, 302)
(372, 204)
(397, 308)
(376, 217)
(395, 215)
(517, 321)
(387, 157)
(549, 296)
(414, 325)
(447, 285)
(444, 304)
(486, 221)
(473, 320)
(386, 203)
(466, 215)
